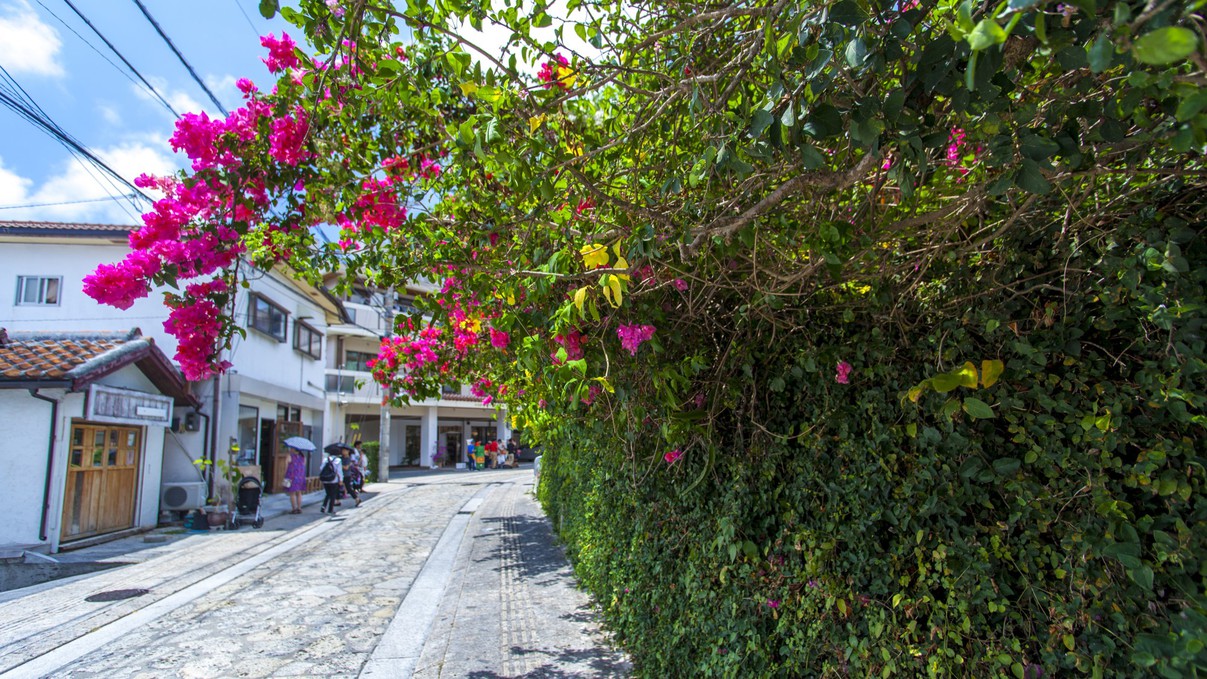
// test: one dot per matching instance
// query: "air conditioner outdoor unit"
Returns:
(182, 496)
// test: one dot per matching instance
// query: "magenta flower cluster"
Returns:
(549, 72)
(632, 336)
(842, 373)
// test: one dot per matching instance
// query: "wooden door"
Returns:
(280, 456)
(102, 479)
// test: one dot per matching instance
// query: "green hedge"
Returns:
(371, 450)
(845, 530)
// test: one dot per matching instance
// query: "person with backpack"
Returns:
(330, 474)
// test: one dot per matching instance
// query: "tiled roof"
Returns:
(53, 356)
(21, 228)
(74, 360)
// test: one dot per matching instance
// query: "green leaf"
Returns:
(1101, 53)
(1029, 178)
(1143, 576)
(857, 53)
(269, 8)
(986, 34)
(1006, 466)
(759, 123)
(1036, 147)
(945, 382)
(1191, 106)
(1165, 45)
(978, 409)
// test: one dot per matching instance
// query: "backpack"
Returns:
(327, 473)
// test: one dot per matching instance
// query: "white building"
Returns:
(425, 433)
(83, 418)
(275, 390)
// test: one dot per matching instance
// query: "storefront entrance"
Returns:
(102, 479)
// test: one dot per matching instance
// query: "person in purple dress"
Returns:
(295, 479)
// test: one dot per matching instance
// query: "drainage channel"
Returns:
(48, 663)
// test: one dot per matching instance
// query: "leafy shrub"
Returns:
(371, 449)
(1046, 522)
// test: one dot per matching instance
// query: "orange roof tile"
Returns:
(47, 356)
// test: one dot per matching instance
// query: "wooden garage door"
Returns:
(102, 479)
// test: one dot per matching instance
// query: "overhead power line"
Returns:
(148, 85)
(180, 56)
(13, 96)
(67, 202)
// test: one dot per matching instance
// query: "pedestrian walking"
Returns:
(295, 479)
(470, 455)
(330, 475)
(351, 477)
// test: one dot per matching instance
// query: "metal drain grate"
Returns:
(116, 595)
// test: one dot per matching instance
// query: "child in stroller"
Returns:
(247, 504)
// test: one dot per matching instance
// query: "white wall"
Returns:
(75, 311)
(23, 467)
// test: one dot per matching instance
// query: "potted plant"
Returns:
(218, 506)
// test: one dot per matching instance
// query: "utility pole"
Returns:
(383, 450)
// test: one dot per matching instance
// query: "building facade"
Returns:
(275, 389)
(428, 433)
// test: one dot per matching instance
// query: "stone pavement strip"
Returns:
(430, 565)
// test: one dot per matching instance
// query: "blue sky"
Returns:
(99, 104)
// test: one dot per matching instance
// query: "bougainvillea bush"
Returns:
(872, 329)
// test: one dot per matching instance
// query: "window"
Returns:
(288, 413)
(38, 290)
(357, 360)
(307, 340)
(267, 317)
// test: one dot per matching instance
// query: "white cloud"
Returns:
(26, 44)
(224, 87)
(13, 189)
(180, 101)
(81, 181)
(109, 114)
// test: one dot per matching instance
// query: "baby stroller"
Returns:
(247, 505)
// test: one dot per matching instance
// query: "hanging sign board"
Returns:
(127, 406)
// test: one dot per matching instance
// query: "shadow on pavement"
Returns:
(534, 540)
(598, 662)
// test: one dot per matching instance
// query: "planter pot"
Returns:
(217, 518)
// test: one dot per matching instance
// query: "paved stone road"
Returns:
(316, 598)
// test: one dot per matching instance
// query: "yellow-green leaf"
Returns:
(916, 392)
(580, 296)
(1069, 641)
(990, 371)
(607, 386)
(534, 122)
(468, 89)
(613, 289)
(967, 374)
(842, 606)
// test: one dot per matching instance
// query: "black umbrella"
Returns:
(337, 448)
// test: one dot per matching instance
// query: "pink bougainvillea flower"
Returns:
(672, 456)
(632, 336)
(550, 73)
(680, 284)
(842, 373)
(499, 339)
(773, 603)
(281, 53)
